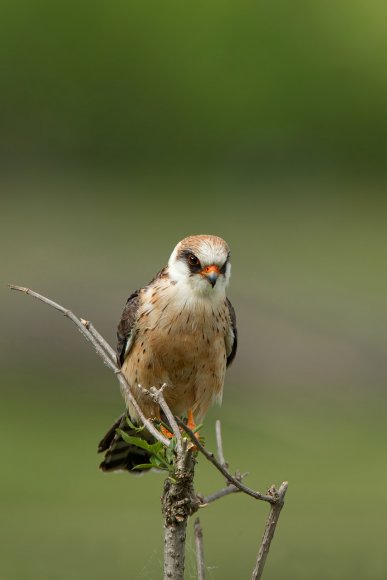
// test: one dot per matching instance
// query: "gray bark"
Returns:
(179, 501)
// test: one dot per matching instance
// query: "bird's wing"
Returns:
(126, 330)
(126, 326)
(232, 337)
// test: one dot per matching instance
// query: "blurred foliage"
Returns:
(62, 518)
(127, 126)
(250, 84)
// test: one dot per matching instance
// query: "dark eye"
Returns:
(192, 260)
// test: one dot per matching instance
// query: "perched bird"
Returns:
(179, 330)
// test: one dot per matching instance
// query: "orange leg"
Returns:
(165, 432)
(190, 424)
(191, 421)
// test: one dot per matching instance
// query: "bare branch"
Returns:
(271, 524)
(230, 488)
(100, 339)
(201, 568)
(272, 498)
(104, 353)
(159, 398)
(204, 501)
(218, 432)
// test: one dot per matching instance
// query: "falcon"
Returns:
(178, 331)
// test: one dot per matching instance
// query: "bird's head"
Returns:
(202, 263)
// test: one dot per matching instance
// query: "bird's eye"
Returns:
(193, 260)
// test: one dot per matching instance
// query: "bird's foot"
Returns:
(166, 432)
(191, 423)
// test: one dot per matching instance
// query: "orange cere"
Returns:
(209, 269)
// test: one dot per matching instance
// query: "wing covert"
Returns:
(232, 342)
(126, 326)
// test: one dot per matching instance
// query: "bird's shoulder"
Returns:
(129, 316)
(126, 324)
(233, 335)
(161, 276)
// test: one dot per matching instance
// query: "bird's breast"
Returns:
(183, 342)
(183, 347)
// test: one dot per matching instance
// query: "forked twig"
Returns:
(272, 498)
(230, 488)
(100, 339)
(158, 395)
(268, 534)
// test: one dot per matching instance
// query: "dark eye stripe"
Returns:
(194, 268)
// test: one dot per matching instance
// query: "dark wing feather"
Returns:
(234, 345)
(129, 316)
(126, 324)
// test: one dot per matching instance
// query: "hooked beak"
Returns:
(211, 273)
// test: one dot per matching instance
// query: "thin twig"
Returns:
(230, 488)
(219, 444)
(159, 397)
(94, 339)
(201, 567)
(210, 456)
(218, 494)
(268, 534)
(100, 339)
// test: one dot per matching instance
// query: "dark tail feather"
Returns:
(119, 455)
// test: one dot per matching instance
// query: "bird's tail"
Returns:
(119, 455)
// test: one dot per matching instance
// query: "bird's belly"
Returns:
(191, 364)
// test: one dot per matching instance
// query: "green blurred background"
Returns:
(127, 126)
